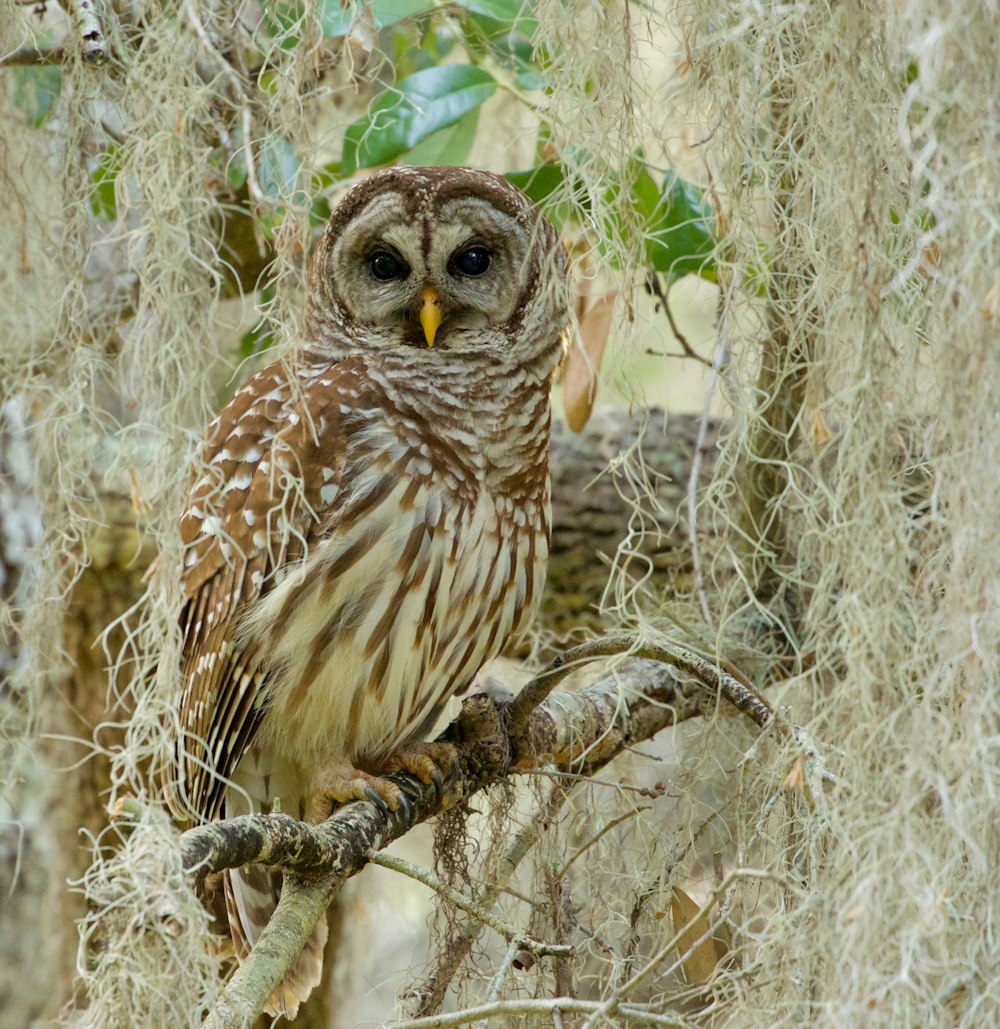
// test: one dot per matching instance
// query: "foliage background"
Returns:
(837, 190)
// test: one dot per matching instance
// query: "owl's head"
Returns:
(452, 259)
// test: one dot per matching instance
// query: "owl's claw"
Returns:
(431, 763)
(404, 806)
(344, 785)
(376, 798)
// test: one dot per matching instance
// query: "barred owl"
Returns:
(368, 523)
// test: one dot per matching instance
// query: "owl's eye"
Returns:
(471, 261)
(385, 266)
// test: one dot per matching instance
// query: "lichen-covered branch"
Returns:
(739, 693)
(88, 31)
(580, 730)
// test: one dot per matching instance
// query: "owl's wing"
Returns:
(272, 467)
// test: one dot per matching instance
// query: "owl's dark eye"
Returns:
(385, 266)
(471, 261)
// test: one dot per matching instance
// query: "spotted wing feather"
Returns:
(270, 473)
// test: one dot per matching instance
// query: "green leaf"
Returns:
(450, 145)
(337, 20)
(35, 91)
(102, 184)
(505, 30)
(531, 79)
(319, 212)
(512, 15)
(419, 105)
(681, 235)
(236, 171)
(544, 184)
(260, 338)
(540, 182)
(282, 21)
(278, 167)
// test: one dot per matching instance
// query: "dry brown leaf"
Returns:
(583, 365)
(699, 965)
(796, 777)
(363, 35)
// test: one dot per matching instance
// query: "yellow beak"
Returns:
(430, 314)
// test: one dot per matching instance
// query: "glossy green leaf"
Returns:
(450, 145)
(505, 31)
(511, 15)
(337, 20)
(103, 204)
(283, 21)
(543, 184)
(681, 234)
(319, 211)
(419, 105)
(260, 338)
(278, 167)
(530, 79)
(34, 91)
(236, 171)
(539, 183)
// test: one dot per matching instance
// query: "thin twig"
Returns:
(497, 985)
(253, 183)
(650, 792)
(593, 839)
(657, 287)
(637, 1014)
(498, 925)
(34, 55)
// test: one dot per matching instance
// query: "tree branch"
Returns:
(87, 28)
(637, 1014)
(300, 907)
(498, 925)
(739, 693)
(34, 55)
(580, 731)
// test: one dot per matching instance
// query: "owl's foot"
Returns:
(431, 763)
(344, 784)
(428, 762)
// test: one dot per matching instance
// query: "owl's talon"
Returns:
(376, 798)
(431, 763)
(345, 785)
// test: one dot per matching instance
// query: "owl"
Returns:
(368, 522)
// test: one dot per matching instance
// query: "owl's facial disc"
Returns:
(443, 278)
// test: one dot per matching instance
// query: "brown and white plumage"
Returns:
(369, 525)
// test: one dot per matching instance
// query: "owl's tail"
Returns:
(252, 892)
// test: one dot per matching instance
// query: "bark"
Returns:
(596, 505)
(60, 804)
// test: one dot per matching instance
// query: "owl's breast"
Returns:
(395, 608)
